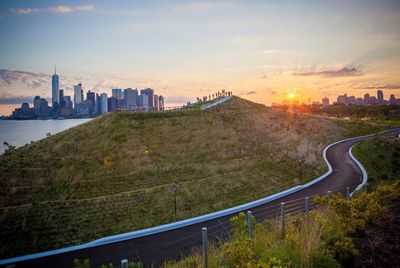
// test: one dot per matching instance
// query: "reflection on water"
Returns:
(19, 133)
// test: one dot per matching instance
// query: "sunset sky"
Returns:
(261, 50)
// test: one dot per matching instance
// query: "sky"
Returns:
(263, 51)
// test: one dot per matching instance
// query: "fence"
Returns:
(219, 231)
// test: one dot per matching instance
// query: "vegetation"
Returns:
(381, 158)
(117, 173)
(384, 115)
(322, 239)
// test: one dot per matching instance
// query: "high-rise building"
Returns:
(98, 103)
(379, 95)
(55, 88)
(36, 105)
(131, 98)
(161, 103)
(144, 102)
(366, 99)
(156, 107)
(150, 93)
(77, 94)
(325, 101)
(117, 93)
(44, 109)
(112, 104)
(91, 99)
(104, 103)
(61, 98)
(392, 100)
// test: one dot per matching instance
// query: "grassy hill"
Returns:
(116, 173)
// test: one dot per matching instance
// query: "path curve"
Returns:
(153, 244)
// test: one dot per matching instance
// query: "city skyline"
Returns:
(264, 52)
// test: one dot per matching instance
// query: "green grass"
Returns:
(381, 158)
(116, 173)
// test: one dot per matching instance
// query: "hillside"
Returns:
(116, 173)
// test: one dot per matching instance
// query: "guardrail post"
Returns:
(283, 219)
(204, 246)
(124, 263)
(348, 193)
(249, 224)
(306, 205)
(329, 199)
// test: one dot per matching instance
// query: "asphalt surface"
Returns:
(174, 244)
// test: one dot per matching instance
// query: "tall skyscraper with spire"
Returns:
(55, 88)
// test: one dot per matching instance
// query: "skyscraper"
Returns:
(130, 98)
(150, 93)
(366, 99)
(77, 94)
(117, 93)
(156, 103)
(104, 103)
(91, 99)
(379, 94)
(144, 102)
(325, 101)
(161, 103)
(55, 88)
(36, 104)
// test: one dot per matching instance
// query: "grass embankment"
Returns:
(116, 173)
(325, 238)
(381, 158)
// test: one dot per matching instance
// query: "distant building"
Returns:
(359, 101)
(25, 112)
(156, 107)
(44, 109)
(61, 98)
(55, 88)
(325, 101)
(144, 102)
(112, 104)
(161, 103)
(91, 98)
(367, 99)
(77, 94)
(131, 98)
(117, 93)
(392, 100)
(98, 104)
(36, 105)
(104, 103)
(82, 109)
(379, 95)
(373, 100)
(150, 93)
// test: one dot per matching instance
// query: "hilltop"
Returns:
(117, 173)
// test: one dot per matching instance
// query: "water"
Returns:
(21, 132)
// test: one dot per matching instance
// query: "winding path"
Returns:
(153, 245)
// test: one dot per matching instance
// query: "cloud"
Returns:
(270, 51)
(201, 7)
(33, 80)
(61, 9)
(333, 73)
(251, 92)
(11, 99)
(273, 92)
(55, 9)
(85, 8)
(389, 87)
